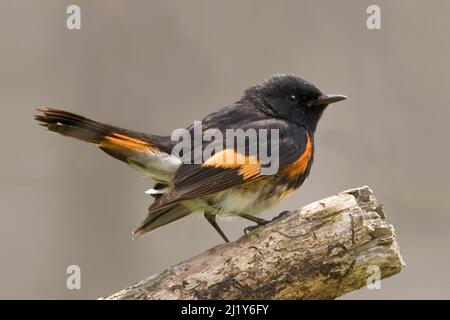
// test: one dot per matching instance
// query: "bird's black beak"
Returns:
(327, 99)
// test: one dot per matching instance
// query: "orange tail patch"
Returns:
(128, 142)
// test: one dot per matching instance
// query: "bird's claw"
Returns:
(281, 215)
(249, 229)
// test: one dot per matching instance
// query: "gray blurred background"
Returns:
(159, 65)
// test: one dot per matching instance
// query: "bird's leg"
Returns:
(212, 220)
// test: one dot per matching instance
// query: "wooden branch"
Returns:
(326, 249)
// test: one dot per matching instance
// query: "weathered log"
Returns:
(326, 249)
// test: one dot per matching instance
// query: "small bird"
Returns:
(286, 103)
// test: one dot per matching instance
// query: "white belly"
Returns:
(236, 201)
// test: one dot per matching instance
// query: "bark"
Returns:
(322, 251)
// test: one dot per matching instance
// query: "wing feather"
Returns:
(215, 174)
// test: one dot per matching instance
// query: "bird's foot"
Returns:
(253, 228)
(262, 222)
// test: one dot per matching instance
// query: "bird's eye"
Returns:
(292, 98)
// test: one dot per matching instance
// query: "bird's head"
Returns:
(292, 98)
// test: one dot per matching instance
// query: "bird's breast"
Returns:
(252, 198)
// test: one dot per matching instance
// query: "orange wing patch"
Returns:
(128, 142)
(299, 166)
(230, 159)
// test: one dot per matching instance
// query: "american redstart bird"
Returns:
(285, 103)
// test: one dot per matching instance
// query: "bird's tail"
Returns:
(150, 154)
(72, 125)
(159, 218)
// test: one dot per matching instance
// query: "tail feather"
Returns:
(150, 154)
(159, 218)
(72, 125)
